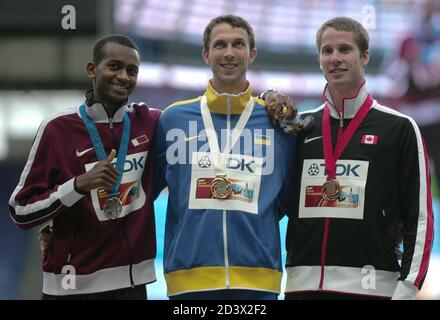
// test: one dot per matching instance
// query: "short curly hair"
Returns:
(98, 49)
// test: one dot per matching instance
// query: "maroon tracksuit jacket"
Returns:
(102, 254)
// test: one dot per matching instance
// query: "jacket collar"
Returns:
(350, 105)
(97, 113)
(227, 103)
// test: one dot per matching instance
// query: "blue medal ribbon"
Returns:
(99, 147)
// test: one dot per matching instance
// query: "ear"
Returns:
(91, 70)
(365, 58)
(253, 55)
(205, 56)
(319, 60)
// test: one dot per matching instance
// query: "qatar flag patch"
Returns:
(140, 140)
(369, 139)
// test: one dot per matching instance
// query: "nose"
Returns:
(123, 75)
(335, 58)
(229, 52)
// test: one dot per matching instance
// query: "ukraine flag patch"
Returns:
(262, 139)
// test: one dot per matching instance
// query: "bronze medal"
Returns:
(331, 189)
(113, 207)
(221, 187)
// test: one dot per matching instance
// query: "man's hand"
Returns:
(102, 175)
(45, 238)
(400, 233)
(279, 106)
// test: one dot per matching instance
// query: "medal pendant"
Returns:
(221, 187)
(282, 112)
(331, 189)
(112, 208)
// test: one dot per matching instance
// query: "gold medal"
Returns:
(331, 189)
(112, 207)
(221, 187)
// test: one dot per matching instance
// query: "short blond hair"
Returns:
(345, 24)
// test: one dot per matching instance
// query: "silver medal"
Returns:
(113, 208)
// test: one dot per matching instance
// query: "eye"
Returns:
(345, 49)
(133, 72)
(239, 44)
(113, 66)
(326, 50)
(219, 45)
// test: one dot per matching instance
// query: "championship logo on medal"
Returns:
(221, 187)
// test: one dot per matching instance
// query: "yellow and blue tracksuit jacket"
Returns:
(213, 244)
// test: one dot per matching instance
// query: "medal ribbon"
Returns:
(217, 156)
(344, 136)
(99, 147)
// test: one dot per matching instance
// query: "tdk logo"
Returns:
(344, 170)
(240, 164)
(133, 164)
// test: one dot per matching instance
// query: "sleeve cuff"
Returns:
(405, 290)
(263, 94)
(68, 195)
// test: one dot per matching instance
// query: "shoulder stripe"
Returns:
(259, 101)
(183, 102)
(386, 109)
(313, 110)
(424, 237)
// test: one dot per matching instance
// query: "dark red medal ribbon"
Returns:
(344, 136)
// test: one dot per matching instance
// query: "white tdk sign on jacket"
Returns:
(243, 171)
(130, 191)
(352, 177)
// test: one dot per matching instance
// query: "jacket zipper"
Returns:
(327, 220)
(110, 124)
(225, 249)
(324, 251)
(225, 230)
(327, 224)
(130, 255)
(69, 255)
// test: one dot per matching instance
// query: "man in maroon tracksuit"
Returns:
(103, 243)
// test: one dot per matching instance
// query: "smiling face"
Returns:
(341, 61)
(229, 56)
(115, 75)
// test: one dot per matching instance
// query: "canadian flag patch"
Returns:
(140, 140)
(369, 139)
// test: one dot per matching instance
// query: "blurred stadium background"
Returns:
(43, 71)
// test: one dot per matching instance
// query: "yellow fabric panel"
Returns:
(179, 103)
(255, 278)
(196, 279)
(211, 278)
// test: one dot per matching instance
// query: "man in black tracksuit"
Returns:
(362, 170)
